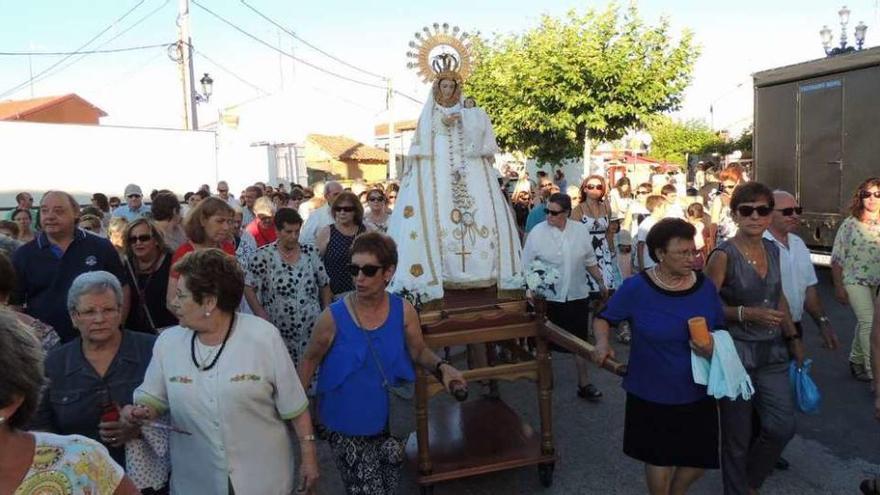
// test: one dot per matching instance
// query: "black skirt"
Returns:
(573, 316)
(684, 435)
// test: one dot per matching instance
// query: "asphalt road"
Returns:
(830, 454)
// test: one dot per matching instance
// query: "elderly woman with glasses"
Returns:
(564, 244)
(377, 214)
(671, 423)
(746, 271)
(148, 266)
(40, 462)
(97, 372)
(225, 378)
(364, 344)
(333, 241)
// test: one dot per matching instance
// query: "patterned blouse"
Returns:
(857, 250)
(70, 465)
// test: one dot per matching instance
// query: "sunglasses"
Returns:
(553, 213)
(224, 191)
(640, 192)
(868, 194)
(369, 270)
(134, 195)
(344, 209)
(376, 198)
(140, 238)
(597, 187)
(787, 212)
(746, 211)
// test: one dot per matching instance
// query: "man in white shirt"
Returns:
(251, 195)
(798, 275)
(321, 217)
(223, 193)
(657, 206)
(673, 207)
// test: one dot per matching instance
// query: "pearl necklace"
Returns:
(664, 285)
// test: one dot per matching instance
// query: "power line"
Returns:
(85, 52)
(231, 72)
(310, 45)
(107, 42)
(87, 43)
(274, 48)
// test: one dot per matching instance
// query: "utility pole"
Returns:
(184, 44)
(392, 153)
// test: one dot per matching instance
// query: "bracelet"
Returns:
(823, 319)
(739, 313)
(308, 438)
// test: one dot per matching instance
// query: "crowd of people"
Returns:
(178, 345)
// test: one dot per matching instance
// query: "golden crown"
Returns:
(454, 40)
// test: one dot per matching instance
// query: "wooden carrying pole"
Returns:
(559, 336)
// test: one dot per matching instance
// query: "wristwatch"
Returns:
(437, 371)
(307, 438)
(823, 319)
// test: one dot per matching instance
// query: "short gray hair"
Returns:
(21, 359)
(93, 283)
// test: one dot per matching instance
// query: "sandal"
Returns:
(864, 376)
(589, 392)
(855, 369)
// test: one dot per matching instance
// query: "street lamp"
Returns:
(207, 89)
(828, 37)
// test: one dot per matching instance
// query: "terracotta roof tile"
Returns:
(345, 148)
(16, 109)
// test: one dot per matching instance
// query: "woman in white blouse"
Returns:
(565, 244)
(225, 378)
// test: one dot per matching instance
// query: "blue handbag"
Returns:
(806, 392)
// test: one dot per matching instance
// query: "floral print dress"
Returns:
(70, 465)
(290, 293)
(857, 250)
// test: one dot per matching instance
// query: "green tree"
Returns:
(672, 139)
(583, 77)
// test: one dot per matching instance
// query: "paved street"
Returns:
(831, 453)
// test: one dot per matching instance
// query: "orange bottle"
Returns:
(699, 330)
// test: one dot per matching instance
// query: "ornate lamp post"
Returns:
(207, 89)
(828, 36)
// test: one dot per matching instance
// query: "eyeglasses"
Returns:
(746, 211)
(787, 212)
(369, 270)
(641, 192)
(139, 238)
(376, 199)
(597, 187)
(344, 209)
(553, 213)
(92, 314)
(687, 253)
(868, 194)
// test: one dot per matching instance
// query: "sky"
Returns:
(281, 99)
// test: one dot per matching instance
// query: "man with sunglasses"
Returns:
(134, 207)
(799, 279)
(223, 193)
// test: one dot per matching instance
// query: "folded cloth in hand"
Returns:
(725, 375)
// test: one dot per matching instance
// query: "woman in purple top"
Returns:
(671, 423)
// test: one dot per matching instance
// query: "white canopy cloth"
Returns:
(453, 226)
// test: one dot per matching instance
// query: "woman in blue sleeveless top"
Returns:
(366, 343)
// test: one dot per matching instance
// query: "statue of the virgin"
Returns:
(453, 227)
